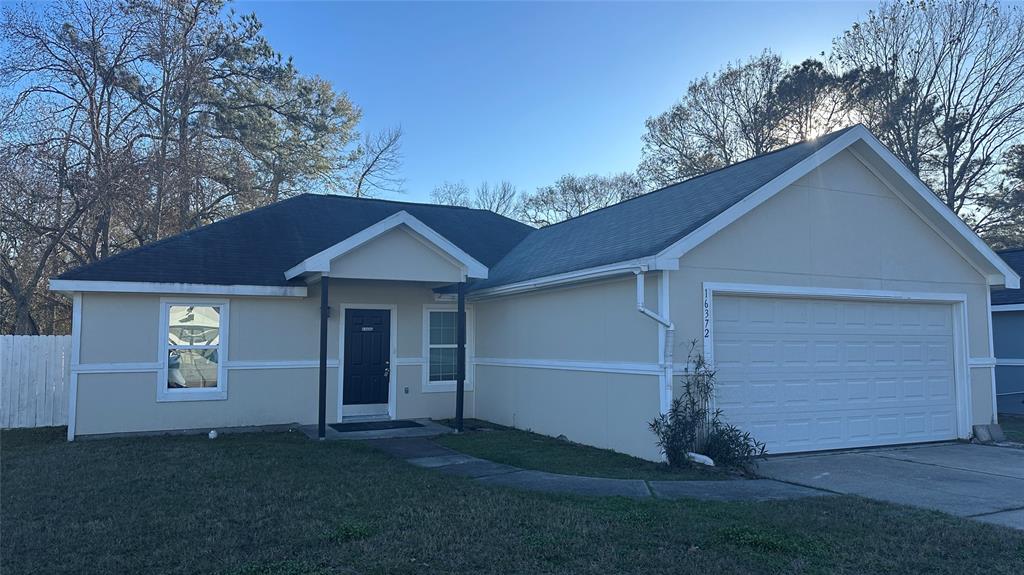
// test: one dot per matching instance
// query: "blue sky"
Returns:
(530, 91)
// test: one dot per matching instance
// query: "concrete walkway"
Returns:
(980, 482)
(425, 453)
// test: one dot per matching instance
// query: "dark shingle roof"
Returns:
(1015, 258)
(645, 225)
(257, 247)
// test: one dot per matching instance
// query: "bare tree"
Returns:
(724, 118)
(502, 198)
(942, 84)
(124, 121)
(573, 196)
(377, 163)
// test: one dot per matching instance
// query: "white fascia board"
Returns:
(1009, 277)
(321, 262)
(1008, 307)
(71, 286)
(588, 274)
(1006, 275)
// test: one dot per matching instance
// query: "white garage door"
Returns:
(812, 374)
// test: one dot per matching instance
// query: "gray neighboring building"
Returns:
(1008, 337)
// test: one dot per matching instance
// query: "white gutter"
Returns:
(588, 274)
(665, 353)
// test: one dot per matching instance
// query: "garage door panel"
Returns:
(805, 374)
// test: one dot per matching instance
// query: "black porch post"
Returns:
(461, 357)
(325, 312)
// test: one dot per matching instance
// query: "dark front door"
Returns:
(367, 356)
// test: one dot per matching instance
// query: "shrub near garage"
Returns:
(690, 427)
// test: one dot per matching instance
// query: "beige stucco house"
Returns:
(841, 303)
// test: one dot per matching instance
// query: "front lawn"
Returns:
(543, 453)
(1013, 426)
(280, 503)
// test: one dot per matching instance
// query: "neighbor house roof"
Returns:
(257, 247)
(1015, 258)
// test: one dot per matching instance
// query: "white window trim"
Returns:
(163, 393)
(446, 386)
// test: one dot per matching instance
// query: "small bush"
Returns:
(690, 425)
(730, 446)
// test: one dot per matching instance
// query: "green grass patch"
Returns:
(543, 453)
(1013, 426)
(278, 503)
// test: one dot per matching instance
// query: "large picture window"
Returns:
(193, 336)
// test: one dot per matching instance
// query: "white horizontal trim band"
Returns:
(567, 365)
(297, 364)
(233, 365)
(410, 361)
(115, 367)
(176, 288)
(1008, 307)
(1010, 362)
(982, 362)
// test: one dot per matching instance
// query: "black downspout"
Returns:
(460, 384)
(325, 312)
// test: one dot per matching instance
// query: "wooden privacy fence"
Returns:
(35, 373)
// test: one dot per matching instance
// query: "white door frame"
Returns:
(393, 352)
(958, 301)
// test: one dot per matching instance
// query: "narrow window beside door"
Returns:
(442, 347)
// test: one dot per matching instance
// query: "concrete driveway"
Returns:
(977, 481)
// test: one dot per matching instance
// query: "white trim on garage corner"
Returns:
(992, 352)
(570, 365)
(176, 288)
(1007, 307)
(321, 262)
(392, 355)
(961, 373)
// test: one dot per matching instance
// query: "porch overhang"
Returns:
(399, 247)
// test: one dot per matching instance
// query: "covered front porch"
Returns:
(395, 296)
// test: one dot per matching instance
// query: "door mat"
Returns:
(373, 425)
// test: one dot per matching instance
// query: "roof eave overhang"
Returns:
(320, 263)
(633, 266)
(73, 286)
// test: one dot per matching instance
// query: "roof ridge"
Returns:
(407, 203)
(708, 173)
